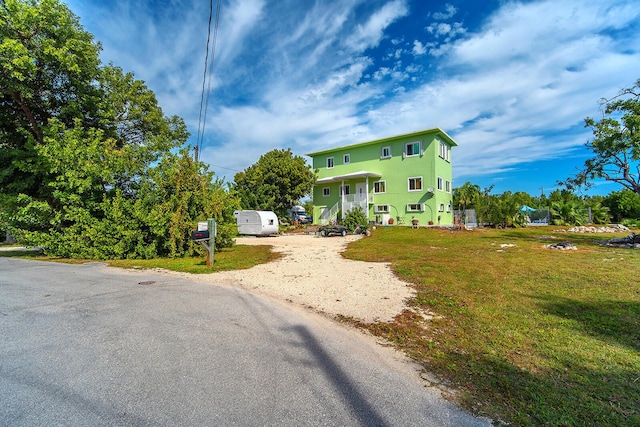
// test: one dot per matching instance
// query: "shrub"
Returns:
(354, 218)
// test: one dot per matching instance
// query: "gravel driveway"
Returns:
(313, 273)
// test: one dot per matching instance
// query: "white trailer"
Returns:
(256, 223)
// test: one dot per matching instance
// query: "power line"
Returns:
(208, 72)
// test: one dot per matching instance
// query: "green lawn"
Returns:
(528, 335)
(236, 258)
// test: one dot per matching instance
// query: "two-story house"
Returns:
(393, 180)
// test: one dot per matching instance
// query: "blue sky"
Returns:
(510, 81)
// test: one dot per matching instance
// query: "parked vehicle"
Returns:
(332, 230)
(256, 223)
(298, 214)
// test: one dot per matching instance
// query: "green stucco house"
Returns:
(393, 180)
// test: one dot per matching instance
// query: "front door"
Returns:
(361, 192)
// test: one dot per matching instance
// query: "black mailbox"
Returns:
(200, 235)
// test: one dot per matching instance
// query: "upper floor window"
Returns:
(385, 152)
(412, 149)
(380, 187)
(329, 162)
(326, 192)
(447, 186)
(444, 151)
(415, 184)
(440, 183)
(346, 159)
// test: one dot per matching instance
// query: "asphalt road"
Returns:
(83, 345)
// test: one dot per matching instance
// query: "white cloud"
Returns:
(449, 11)
(418, 48)
(370, 33)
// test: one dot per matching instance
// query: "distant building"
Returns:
(393, 180)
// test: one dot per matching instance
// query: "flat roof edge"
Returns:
(376, 141)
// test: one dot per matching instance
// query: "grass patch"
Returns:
(238, 257)
(528, 335)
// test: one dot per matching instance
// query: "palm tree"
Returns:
(568, 213)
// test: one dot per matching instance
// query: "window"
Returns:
(441, 208)
(329, 162)
(346, 159)
(444, 151)
(415, 184)
(449, 208)
(439, 183)
(385, 152)
(380, 208)
(415, 207)
(412, 149)
(447, 186)
(380, 187)
(345, 189)
(326, 192)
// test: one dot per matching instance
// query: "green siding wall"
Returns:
(395, 172)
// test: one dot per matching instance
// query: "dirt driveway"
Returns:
(312, 273)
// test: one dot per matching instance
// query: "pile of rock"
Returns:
(562, 246)
(613, 228)
(632, 241)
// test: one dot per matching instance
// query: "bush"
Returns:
(355, 218)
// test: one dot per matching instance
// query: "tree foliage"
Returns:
(568, 213)
(277, 181)
(623, 204)
(615, 144)
(505, 210)
(90, 165)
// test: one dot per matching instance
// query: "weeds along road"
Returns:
(89, 345)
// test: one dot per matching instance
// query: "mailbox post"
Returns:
(212, 239)
(206, 236)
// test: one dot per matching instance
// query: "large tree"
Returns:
(48, 66)
(615, 144)
(275, 182)
(88, 165)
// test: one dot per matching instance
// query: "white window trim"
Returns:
(333, 163)
(441, 207)
(449, 207)
(380, 208)
(342, 188)
(379, 192)
(419, 205)
(415, 177)
(382, 156)
(444, 151)
(440, 183)
(346, 159)
(326, 191)
(447, 186)
(419, 153)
